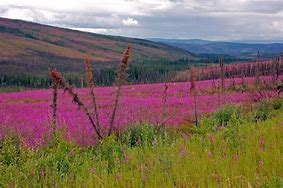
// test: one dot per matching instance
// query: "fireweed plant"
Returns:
(194, 93)
(237, 153)
(120, 80)
(57, 79)
(164, 105)
(60, 81)
(138, 103)
(90, 84)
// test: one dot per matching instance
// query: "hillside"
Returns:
(230, 48)
(32, 48)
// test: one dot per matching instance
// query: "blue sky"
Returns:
(205, 19)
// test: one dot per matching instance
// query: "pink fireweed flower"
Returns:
(224, 155)
(261, 143)
(126, 158)
(94, 170)
(182, 151)
(118, 177)
(235, 157)
(211, 138)
(185, 136)
(209, 154)
(43, 173)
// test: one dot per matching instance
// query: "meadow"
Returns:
(231, 147)
(29, 112)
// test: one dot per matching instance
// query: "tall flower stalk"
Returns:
(91, 84)
(54, 87)
(257, 72)
(221, 62)
(164, 101)
(120, 80)
(194, 93)
(56, 76)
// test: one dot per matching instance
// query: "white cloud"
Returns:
(99, 30)
(14, 13)
(130, 22)
(278, 25)
(208, 19)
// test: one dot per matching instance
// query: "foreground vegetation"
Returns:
(232, 147)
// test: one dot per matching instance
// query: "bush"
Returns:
(223, 115)
(277, 103)
(143, 135)
(219, 118)
(261, 111)
(232, 134)
(10, 151)
(109, 151)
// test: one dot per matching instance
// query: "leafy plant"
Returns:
(143, 135)
(232, 134)
(277, 103)
(261, 111)
(224, 115)
(10, 150)
(110, 152)
(220, 118)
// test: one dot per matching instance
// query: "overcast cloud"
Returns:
(205, 19)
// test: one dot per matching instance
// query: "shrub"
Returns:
(232, 134)
(220, 118)
(223, 115)
(10, 150)
(57, 155)
(277, 103)
(143, 135)
(110, 152)
(261, 111)
(206, 126)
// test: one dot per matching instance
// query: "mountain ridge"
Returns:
(27, 45)
(235, 48)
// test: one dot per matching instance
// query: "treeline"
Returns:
(137, 73)
(233, 70)
(262, 68)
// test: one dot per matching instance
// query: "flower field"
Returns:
(29, 112)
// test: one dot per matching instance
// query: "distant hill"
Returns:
(241, 49)
(31, 48)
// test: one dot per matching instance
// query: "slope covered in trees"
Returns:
(28, 49)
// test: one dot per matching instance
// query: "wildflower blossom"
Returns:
(209, 154)
(182, 151)
(261, 143)
(185, 136)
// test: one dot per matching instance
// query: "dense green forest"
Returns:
(138, 73)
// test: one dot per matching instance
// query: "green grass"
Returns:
(242, 153)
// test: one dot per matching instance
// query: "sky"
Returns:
(178, 19)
